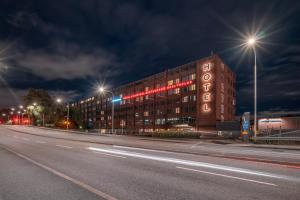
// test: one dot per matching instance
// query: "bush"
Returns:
(176, 134)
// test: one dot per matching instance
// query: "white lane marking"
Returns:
(227, 176)
(141, 149)
(194, 145)
(109, 154)
(26, 139)
(40, 142)
(79, 183)
(194, 163)
(63, 146)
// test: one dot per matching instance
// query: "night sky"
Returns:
(70, 46)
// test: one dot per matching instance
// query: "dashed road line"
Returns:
(228, 176)
(63, 146)
(40, 142)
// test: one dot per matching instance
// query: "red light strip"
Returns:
(157, 90)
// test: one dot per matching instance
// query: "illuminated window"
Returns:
(177, 80)
(146, 113)
(185, 99)
(170, 82)
(192, 87)
(177, 91)
(192, 77)
(193, 98)
(177, 110)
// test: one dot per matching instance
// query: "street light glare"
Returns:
(58, 100)
(101, 89)
(251, 41)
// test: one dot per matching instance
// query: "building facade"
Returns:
(196, 96)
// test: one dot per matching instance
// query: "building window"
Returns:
(177, 80)
(177, 91)
(192, 87)
(146, 113)
(222, 108)
(170, 82)
(177, 110)
(185, 99)
(193, 98)
(192, 77)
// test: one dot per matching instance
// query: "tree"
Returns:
(40, 105)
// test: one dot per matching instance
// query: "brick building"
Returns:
(196, 96)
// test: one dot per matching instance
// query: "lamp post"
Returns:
(59, 100)
(251, 43)
(103, 90)
(3, 115)
(19, 117)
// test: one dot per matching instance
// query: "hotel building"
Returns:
(196, 96)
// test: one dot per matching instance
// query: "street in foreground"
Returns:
(46, 164)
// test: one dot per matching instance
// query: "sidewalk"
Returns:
(230, 142)
(236, 143)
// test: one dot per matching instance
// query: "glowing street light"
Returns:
(21, 107)
(102, 90)
(59, 100)
(251, 43)
(13, 109)
(35, 104)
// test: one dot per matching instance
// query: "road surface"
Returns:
(43, 164)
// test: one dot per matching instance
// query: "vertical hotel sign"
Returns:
(206, 87)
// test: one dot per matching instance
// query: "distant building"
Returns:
(197, 95)
(279, 123)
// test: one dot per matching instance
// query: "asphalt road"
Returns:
(34, 166)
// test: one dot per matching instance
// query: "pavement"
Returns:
(49, 164)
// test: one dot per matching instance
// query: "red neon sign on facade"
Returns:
(158, 90)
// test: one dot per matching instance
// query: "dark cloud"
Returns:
(67, 61)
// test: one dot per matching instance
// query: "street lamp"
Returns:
(59, 100)
(251, 43)
(19, 117)
(101, 91)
